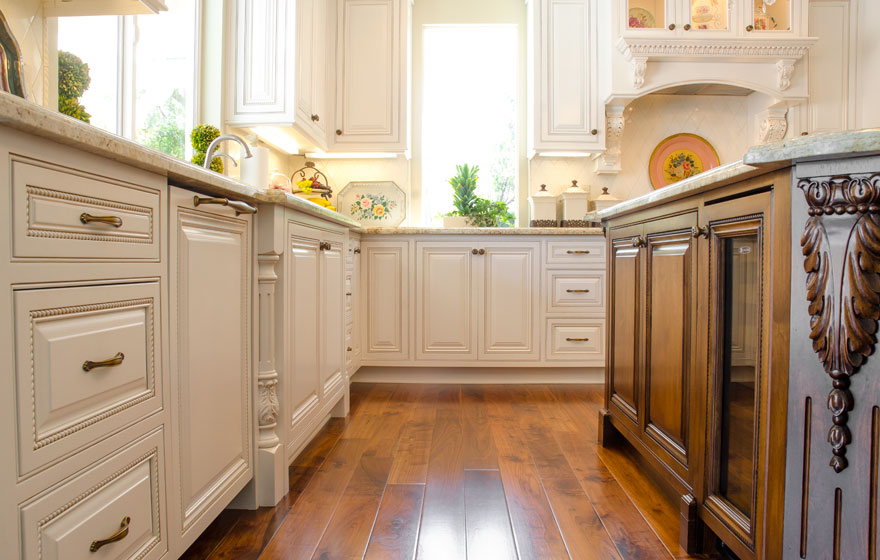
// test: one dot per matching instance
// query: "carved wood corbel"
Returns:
(841, 248)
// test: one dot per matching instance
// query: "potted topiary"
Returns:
(470, 209)
(73, 81)
(201, 137)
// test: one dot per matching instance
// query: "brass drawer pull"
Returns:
(89, 365)
(114, 221)
(697, 232)
(482, 251)
(578, 252)
(577, 291)
(324, 246)
(569, 339)
(117, 536)
(315, 118)
(639, 242)
(348, 349)
(237, 205)
(348, 293)
(357, 250)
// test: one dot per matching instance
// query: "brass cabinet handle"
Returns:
(114, 221)
(117, 536)
(697, 232)
(357, 250)
(671, 26)
(482, 251)
(750, 28)
(324, 246)
(89, 365)
(578, 291)
(348, 349)
(687, 27)
(338, 132)
(474, 251)
(237, 205)
(639, 242)
(348, 293)
(315, 118)
(594, 132)
(578, 252)
(569, 339)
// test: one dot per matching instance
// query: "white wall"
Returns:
(25, 18)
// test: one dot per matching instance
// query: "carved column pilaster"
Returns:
(267, 376)
(608, 163)
(772, 125)
(841, 248)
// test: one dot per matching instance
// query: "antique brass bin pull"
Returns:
(117, 536)
(89, 365)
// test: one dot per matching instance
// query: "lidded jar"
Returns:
(605, 200)
(543, 207)
(575, 201)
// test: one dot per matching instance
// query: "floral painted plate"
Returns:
(640, 18)
(678, 157)
(373, 203)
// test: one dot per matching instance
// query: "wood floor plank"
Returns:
(534, 526)
(411, 459)
(478, 447)
(489, 536)
(396, 529)
(442, 534)
(316, 451)
(210, 539)
(348, 532)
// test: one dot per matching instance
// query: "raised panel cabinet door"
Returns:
(386, 300)
(445, 300)
(264, 62)
(211, 364)
(371, 87)
(508, 276)
(567, 84)
(303, 312)
(331, 318)
(670, 290)
(311, 55)
(624, 312)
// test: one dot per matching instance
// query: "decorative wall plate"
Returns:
(11, 79)
(678, 157)
(641, 18)
(373, 203)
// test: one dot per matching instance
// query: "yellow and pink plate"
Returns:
(678, 157)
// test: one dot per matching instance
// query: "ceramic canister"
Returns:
(543, 207)
(574, 206)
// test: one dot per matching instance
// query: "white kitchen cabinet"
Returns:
(386, 307)
(279, 66)
(315, 332)
(509, 290)
(211, 369)
(563, 103)
(372, 99)
(712, 18)
(446, 300)
(353, 305)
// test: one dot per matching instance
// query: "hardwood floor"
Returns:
(458, 471)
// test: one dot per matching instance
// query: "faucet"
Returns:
(212, 147)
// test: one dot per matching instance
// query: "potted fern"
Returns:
(470, 209)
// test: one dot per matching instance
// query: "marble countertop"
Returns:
(23, 115)
(816, 147)
(707, 180)
(481, 231)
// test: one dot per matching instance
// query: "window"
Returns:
(143, 73)
(469, 112)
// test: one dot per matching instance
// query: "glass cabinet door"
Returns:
(646, 14)
(709, 15)
(770, 15)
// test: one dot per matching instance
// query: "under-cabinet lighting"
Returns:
(278, 138)
(564, 154)
(351, 155)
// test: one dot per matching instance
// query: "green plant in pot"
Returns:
(470, 209)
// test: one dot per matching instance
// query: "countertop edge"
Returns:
(597, 231)
(846, 143)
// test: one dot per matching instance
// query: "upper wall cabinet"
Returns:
(279, 67)
(66, 8)
(564, 105)
(372, 81)
(739, 33)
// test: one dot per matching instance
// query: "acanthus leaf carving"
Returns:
(844, 315)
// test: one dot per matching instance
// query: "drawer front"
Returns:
(575, 291)
(575, 340)
(589, 251)
(67, 398)
(66, 522)
(52, 210)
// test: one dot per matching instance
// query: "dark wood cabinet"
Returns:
(691, 308)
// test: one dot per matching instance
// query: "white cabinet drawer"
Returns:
(67, 521)
(575, 340)
(65, 402)
(575, 291)
(589, 251)
(52, 213)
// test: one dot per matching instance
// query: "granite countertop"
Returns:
(816, 147)
(481, 231)
(23, 115)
